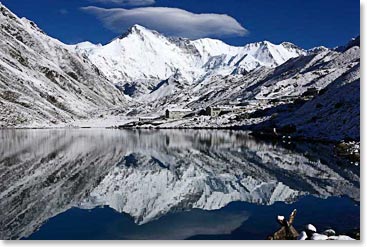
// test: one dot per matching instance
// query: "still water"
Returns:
(168, 184)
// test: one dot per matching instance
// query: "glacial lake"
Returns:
(168, 184)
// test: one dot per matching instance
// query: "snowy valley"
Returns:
(143, 79)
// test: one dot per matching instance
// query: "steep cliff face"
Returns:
(44, 81)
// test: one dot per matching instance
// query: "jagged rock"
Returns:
(329, 232)
(317, 236)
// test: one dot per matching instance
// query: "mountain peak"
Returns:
(290, 45)
(138, 30)
(145, 54)
(317, 49)
(259, 44)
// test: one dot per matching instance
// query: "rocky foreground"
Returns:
(288, 232)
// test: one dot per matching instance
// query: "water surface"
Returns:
(167, 184)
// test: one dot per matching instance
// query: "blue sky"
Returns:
(306, 23)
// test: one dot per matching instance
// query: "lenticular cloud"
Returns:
(170, 21)
(126, 2)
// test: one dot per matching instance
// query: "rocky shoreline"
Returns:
(288, 232)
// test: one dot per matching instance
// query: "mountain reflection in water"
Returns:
(149, 174)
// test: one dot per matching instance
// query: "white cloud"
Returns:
(126, 2)
(170, 21)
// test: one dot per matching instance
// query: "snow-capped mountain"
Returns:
(43, 80)
(145, 54)
(288, 81)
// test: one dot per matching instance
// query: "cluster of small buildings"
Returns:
(237, 106)
(242, 108)
(213, 111)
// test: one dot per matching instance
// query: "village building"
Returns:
(215, 111)
(177, 113)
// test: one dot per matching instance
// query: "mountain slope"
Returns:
(44, 81)
(333, 114)
(285, 82)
